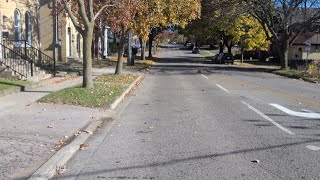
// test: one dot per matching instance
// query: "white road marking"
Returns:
(306, 110)
(268, 118)
(295, 113)
(314, 148)
(204, 76)
(223, 88)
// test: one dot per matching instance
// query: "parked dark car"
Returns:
(228, 58)
(225, 58)
(214, 58)
(195, 50)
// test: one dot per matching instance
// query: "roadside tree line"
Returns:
(255, 24)
(145, 18)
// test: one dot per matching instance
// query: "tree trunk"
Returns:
(230, 48)
(150, 45)
(143, 49)
(87, 59)
(221, 46)
(283, 49)
(120, 53)
(129, 53)
(242, 50)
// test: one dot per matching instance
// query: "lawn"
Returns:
(7, 84)
(107, 88)
(298, 75)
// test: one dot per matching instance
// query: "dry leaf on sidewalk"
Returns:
(61, 169)
(77, 133)
(82, 146)
(88, 132)
(50, 125)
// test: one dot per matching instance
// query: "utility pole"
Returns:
(129, 58)
(105, 43)
(56, 39)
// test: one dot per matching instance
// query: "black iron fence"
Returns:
(25, 50)
(16, 61)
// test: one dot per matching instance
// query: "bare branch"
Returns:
(72, 17)
(102, 8)
(83, 12)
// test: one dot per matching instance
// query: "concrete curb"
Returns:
(58, 160)
(124, 94)
(11, 91)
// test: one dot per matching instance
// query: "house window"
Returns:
(17, 27)
(78, 42)
(28, 28)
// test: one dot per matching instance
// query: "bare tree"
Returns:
(283, 20)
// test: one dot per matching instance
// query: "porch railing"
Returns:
(15, 61)
(40, 59)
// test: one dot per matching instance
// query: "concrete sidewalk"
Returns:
(30, 132)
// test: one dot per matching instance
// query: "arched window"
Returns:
(69, 42)
(78, 43)
(17, 27)
(28, 28)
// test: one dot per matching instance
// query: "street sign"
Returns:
(307, 47)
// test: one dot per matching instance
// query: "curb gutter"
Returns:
(58, 160)
(121, 98)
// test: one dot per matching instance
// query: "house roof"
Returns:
(313, 36)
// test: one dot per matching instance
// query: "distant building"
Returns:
(306, 46)
(58, 32)
(18, 23)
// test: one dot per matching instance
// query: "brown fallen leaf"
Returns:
(50, 125)
(82, 146)
(61, 169)
(255, 161)
(77, 133)
(88, 132)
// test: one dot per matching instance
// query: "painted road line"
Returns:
(263, 89)
(295, 113)
(306, 110)
(314, 148)
(223, 88)
(268, 118)
(204, 76)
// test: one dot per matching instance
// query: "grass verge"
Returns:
(142, 65)
(296, 75)
(107, 88)
(7, 84)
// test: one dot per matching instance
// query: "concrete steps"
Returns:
(38, 74)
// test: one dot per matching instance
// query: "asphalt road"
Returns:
(191, 119)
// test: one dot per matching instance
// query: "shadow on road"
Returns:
(188, 159)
